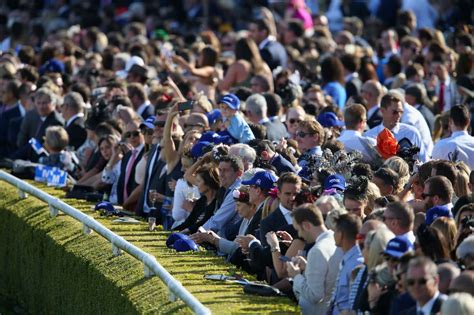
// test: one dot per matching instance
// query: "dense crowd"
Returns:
(324, 146)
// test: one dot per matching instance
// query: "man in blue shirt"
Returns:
(347, 228)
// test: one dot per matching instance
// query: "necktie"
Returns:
(441, 98)
(127, 173)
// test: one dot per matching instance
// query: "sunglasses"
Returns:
(423, 195)
(129, 134)
(303, 134)
(420, 281)
(293, 120)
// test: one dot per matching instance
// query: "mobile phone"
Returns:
(185, 106)
(163, 76)
(284, 258)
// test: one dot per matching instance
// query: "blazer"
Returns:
(131, 185)
(151, 181)
(375, 119)
(282, 165)
(353, 87)
(6, 146)
(314, 287)
(149, 111)
(428, 115)
(77, 132)
(274, 54)
(435, 309)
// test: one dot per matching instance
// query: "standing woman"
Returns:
(204, 72)
(248, 63)
(332, 73)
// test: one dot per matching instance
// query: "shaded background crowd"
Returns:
(325, 146)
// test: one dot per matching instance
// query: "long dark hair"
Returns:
(209, 57)
(210, 176)
(332, 70)
(432, 243)
(246, 49)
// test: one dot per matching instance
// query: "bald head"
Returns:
(370, 225)
(463, 283)
(447, 272)
(372, 91)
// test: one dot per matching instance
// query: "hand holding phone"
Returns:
(188, 105)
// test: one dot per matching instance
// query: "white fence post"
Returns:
(22, 194)
(53, 212)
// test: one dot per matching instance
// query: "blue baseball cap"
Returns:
(437, 212)
(52, 65)
(329, 119)
(231, 100)
(106, 207)
(335, 181)
(149, 122)
(398, 246)
(173, 238)
(263, 180)
(213, 116)
(184, 245)
(198, 149)
(209, 136)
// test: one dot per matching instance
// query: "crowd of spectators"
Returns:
(324, 146)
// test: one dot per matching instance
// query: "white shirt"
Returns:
(401, 131)
(353, 141)
(70, 120)
(181, 193)
(458, 147)
(264, 42)
(413, 117)
(426, 309)
(287, 214)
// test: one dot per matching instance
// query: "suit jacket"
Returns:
(33, 127)
(77, 132)
(276, 130)
(149, 111)
(353, 87)
(274, 54)
(282, 165)
(151, 181)
(131, 185)
(6, 146)
(314, 288)
(428, 115)
(375, 119)
(435, 309)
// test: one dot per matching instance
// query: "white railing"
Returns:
(151, 265)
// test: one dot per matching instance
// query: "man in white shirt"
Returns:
(355, 119)
(422, 281)
(315, 277)
(392, 110)
(460, 145)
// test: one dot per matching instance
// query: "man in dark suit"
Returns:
(256, 112)
(35, 123)
(9, 111)
(273, 53)
(422, 280)
(266, 151)
(351, 66)
(372, 92)
(415, 95)
(140, 102)
(126, 183)
(260, 253)
(72, 110)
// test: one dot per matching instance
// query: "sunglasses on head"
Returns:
(420, 281)
(293, 120)
(129, 134)
(303, 134)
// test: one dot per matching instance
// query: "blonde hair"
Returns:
(461, 187)
(447, 227)
(400, 167)
(373, 193)
(376, 241)
(458, 304)
(56, 138)
(269, 205)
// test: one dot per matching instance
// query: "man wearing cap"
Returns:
(72, 111)
(460, 145)
(330, 120)
(139, 99)
(356, 121)
(396, 248)
(256, 111)
(237, 127)
(437, 195)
